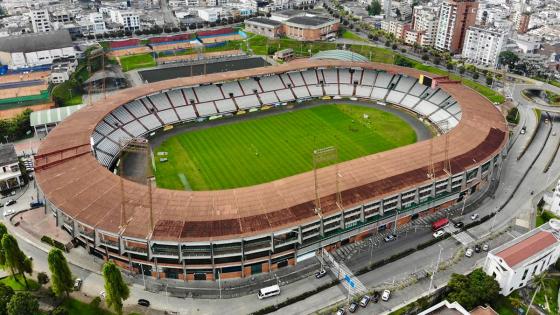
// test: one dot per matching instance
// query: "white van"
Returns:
(268, 292)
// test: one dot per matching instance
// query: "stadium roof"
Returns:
(309, 20)
(50, 116)
(343, 55)
(265, 21)
(36, 42)
(74, 181)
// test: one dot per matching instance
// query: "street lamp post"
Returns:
(436, 269)
(220, 284)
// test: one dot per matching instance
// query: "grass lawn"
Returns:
(553, 98)
(20, 286)
(137, 62)
(75, 307)
(504, 306)
(268, 148)
(544, 217)
(551, 290)
(353, 36)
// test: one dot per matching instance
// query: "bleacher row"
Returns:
(152, 112)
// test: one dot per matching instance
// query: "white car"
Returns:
(469, 252)
(474, 216)
(439, 233)
(386, 295)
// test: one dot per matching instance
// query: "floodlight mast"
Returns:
(321, 156)
(135, 145)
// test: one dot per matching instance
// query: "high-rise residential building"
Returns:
(40, 21)
(130, 20)
(424, 26)
(455, 17)
(483, 45)
(523, 23)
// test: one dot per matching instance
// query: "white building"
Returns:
(9, 167)
(455, 16)
(35, 49)
(397, 28)
(424, 26)
(40, 21)
(483, 45)
(210, 14)
(129, 20)
(553, 200)
(516, 262)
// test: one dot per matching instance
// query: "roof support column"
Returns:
(212, 260)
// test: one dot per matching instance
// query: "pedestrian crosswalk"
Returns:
(462, 237)
(350, 282)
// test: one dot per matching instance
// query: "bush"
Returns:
(55, 243)
(402, 61)
(475, 75)
(513, 116)
(437, 60)
(489, 80)
(394, 46)
(95, 302)
(425, 57)
(59, 311)
(403, 50)
(42, 278)
(387, 43)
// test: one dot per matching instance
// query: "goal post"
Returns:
(323, 157)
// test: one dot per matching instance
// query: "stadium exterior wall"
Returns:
(262, 252)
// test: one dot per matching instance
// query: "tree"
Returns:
(449, 66)
(475, 75)
(489, 80)
(437, 60)
(374, 8)
(425, 57)
(3, 231)
(6, 294)
(59, 311)
(116, 289)
(42, 278)
(461, 70)
(61, 275)
(508, 58)
(15, 258)
(23, 303)
(474, 289)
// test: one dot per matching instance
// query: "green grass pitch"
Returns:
(263, 149)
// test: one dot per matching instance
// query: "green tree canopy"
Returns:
(475, 289)
(374, 8)
(508, 58)
(3, 231)
(15, 258)
(116, 289)
(23, 303)
(6, 294)
(61, 275)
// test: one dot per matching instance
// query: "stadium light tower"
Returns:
(94, 54)
(443, 128)
(321, 157)
(135, 145)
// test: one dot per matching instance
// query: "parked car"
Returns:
(386, 295)
(77, 284)
(353, 307)
(390, 237)
(144, 302)
(474, 216)
(11, 202)
(340, 311)
(469, 252)
(459, 224)
(36, 204)
(439, 233)
(320, 274)
(477, 248)
(485, 247)
(375, 297)
(365, 301)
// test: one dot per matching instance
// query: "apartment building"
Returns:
(483, 45)
(455, 17)
(424, 26)
(129, 20)
(40, 21)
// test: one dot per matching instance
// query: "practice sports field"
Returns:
(263, 149)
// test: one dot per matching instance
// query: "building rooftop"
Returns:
(289, 13)
(265, 21)
(309, 20)
(36, 42)
(527, 245)
(8, 154)
(339, 54)
(445, 308)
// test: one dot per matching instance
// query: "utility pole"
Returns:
(436, 269)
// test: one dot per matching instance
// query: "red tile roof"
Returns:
(527, 248)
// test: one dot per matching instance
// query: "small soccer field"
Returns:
(259, 150)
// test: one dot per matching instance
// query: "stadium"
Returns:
(238, 232)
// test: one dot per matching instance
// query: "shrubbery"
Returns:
(54, 243)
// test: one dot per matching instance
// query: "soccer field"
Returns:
(263, 149)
